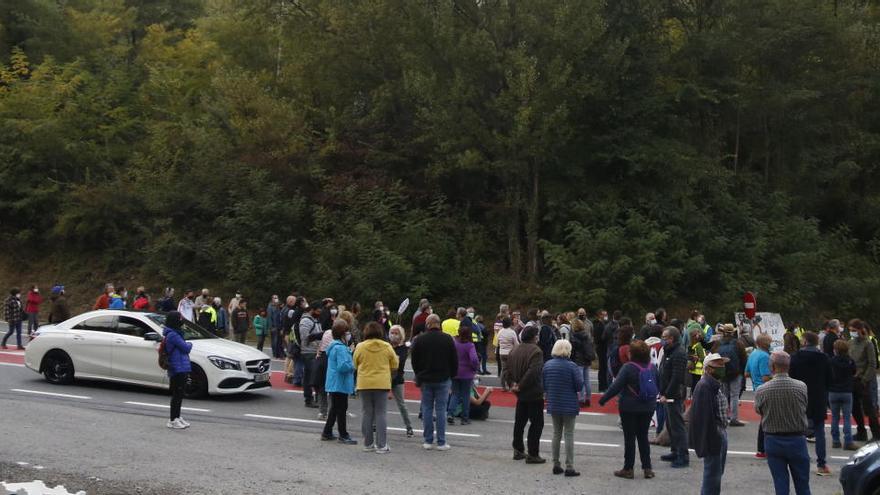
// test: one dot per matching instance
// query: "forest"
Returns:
(599, 153)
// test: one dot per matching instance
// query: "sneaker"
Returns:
(175, 425)
(450, 420)
(536, 459)
(835, 445)
(811, 439)
(347, 441)
(328, 438)
(760, 455)
(624, 473)
(570, 473)
(383, 450)
(444, 447)
(557, 469)
(735, 422)
(322, 416)
(823, 471)
(183, 422)
(428, 446)
(409, 432)
(518, 455)
(369, 448)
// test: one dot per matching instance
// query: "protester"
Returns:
(60, 311)
(583, 354)
(480, 404)
(624, 338)
(434, 362)
(261, 323)
(482, 344)
(32, 309)
(397, 338)
(782, 405)
(230, 309)
(179, 366)
(696, 356)
(523, 375)
(207, 319)
(103, 301)
(204, 298)
(310, 334)
(241, 321)
(380, 316)
(374, 360)
(339, 384)
(734, 350)
(707, 423)
(636, 384)
(185, 306)
(562, 382)
(811, 366)
(546, 336)
(672, 394)
(141, 300)
(645, 331)
(273, 317)
(166, 304)
(863, 354)
(12, 313)
(222, 317)
(507, 341)
(832, 334)
(453, 321)
(118, 299)
(840, 398)
(758, 369)
(468, 366)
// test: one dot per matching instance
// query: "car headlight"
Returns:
(225, 363)
(864, 452)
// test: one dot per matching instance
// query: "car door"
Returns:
(91, 345)
(134, 358)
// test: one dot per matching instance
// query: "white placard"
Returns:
(764, 323)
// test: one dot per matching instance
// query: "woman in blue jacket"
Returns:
(563, 381)
(339, 383)
(179, 366)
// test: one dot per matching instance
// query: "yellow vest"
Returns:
(700, 352)
(450, 327)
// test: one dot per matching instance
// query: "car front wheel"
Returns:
(58, 368)
(197, 385)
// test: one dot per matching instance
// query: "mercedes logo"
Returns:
(263, 367)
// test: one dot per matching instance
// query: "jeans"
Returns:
(483, 355)
(33, 322)
(275, 336)
(177, 383)
(661, 417)
(677, 432)
(564, 425)
(531, 411)
(818, 427)
(337, 414)
(841, 408)
(635, 429)
(375, 404)
(397, 390)
(14, 326)
(461, 393)
(713, 469)
(788, 454)
(731, 391)
(587, 391)
(434, 399)
(299, 371)
(308, 364)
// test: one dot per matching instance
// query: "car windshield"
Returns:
(191, 331)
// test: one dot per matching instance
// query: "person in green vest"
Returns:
(696, 355)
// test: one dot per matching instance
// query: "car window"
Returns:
(191, 331)
(133, 327)
(98, 324)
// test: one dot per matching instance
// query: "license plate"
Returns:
(262, 377)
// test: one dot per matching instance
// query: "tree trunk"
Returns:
(532, 223)
(279, 19)
(766, 151)
(736, 145)
(514, 246)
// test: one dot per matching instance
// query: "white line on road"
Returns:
(12, 364)
(38, 392)
(586, 444)
(315, 421)
(166, 406)
(20, 353)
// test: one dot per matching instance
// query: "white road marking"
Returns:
(166, 406)
(19, 353)
(20, 463)
(12, 364)
(587, 444)
(38, 392)
(315, 421)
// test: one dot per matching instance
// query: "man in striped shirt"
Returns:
(782, 404)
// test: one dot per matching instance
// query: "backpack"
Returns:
(163, 354)
(648, 390)
(733, 367)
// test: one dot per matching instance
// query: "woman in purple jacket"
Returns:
(179, 366)
(468, 365)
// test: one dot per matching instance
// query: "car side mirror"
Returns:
(152, 336)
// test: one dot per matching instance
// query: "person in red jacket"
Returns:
(32, 309)
(103, 301)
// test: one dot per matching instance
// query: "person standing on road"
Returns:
(583, 355)
(241, 321)
(523, 375)
(103, 301)
(374, 360)
(141, 300)
(310, 334)
(166, 304)
(832, 334)
(273, 317)
(862, 352)
(673, 370)
(339, 384)
(397, 337)
(696, 356)
(202, 299)
(843, 369)
(811, 366)
(546, 336)
(563, 382)
(12, 312)
(734, 350)
(782, 405)
(207, 319)
(230, 308)
(637, 403)
(261, 324)
(468, 365)
(601, 348)
(758, 369)
(60, 311)
(32, 309)
(434, 362)
(507, 342)
(708, 424)
(185, 306)
(179, 366)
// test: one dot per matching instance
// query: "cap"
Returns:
(58, 289)
(714, 357)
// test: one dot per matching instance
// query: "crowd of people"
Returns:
(336, 352)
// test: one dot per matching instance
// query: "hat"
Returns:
(652, 341)
(727, 328)
(58, 289)
(714, 357)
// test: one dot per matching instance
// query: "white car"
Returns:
(122, 346)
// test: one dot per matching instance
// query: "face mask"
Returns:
(717, 373)
(382, 309)
(18, 296)
(347, 337)
(605, 318)
(652, 322)
(124, 294)
(36, 291)
(333, 312)
(394, 338)
(471, 315)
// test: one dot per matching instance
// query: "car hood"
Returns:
(227, 349)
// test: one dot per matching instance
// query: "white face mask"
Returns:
(333, 312)
(652, 322)
(36, 291)
(471, 315)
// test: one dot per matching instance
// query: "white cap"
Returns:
(714, 357)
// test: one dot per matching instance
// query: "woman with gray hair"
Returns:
(563, 380)
(397, 337)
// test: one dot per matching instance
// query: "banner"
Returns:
(764, 323)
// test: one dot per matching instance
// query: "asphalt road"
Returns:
(108, 438)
